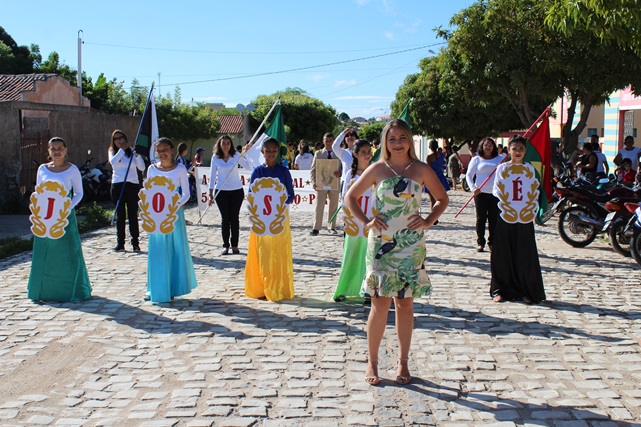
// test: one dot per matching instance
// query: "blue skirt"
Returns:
(170, 269)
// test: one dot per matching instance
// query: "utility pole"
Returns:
(159, 85)
(80, 66)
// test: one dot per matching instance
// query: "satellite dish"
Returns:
(240, 108)
(250, 107)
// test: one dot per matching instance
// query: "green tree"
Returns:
(371, 131)
(305, 117)
(14, 59)
(508, 52)
(617, 21)
(184, 122)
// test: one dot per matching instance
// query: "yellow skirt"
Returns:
(269, 269)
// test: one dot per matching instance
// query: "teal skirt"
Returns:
(352, 268)
(170, 269)
(58, 270)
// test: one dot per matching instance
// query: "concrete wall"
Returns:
(82, 129)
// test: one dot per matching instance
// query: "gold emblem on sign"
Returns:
(39, 228)
(148, 223)
(259, 227)
(528, 212)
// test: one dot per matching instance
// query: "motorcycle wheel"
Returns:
(575, 234)
(465, 186)
(548, 215)
(635, 245)
(619, 242)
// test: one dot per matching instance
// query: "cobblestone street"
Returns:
(215, 357)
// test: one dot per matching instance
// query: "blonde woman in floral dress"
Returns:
(396, 240)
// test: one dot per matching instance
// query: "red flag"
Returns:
(541, 142)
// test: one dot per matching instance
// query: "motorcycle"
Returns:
(619, 224)
(635, 240)
(96, 181)
(581, 222)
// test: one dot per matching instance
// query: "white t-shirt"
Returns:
(304, 161)
(71, 179)
(633, 155)
(600, 159)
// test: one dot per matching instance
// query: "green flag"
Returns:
(405, 114)
(276, 130)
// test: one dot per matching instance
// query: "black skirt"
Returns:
(516, 272)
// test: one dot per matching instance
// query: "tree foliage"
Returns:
(371, 131)
(14, 59)
(502, 52)
(617, 21)
(305, 117)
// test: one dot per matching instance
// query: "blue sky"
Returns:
(210, 48)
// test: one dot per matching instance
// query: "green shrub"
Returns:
(14, 245)
(95, 217)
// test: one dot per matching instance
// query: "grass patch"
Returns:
(94, 217)
(14, 245)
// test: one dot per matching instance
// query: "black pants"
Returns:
(487, 210)
(229, 203)
(130, 202)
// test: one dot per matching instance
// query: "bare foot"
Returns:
(497, 298)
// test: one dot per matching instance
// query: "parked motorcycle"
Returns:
(96, 181)
(619, 224)
(635, 240)
(581, 222)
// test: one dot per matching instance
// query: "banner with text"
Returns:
(305, 194)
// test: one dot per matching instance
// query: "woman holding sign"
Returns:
(396, 240)
(355, 246)
(516, 272)
(170, 270)
(229, 190)
(58, 270)
(269, 270)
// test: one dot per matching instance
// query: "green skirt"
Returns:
(352, 268)
(58, 270)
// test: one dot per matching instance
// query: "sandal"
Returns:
(401, 379)
(373, 379)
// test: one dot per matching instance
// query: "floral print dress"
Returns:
(395, 257)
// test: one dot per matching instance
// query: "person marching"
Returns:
(269, 269)
(516, 272)
(170, 269)
(58, 270)
(124, 194)
(352, 271)
(396, 241)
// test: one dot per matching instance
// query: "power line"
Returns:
(303, 68)
(160, 49)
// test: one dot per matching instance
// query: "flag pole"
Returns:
(241, 155)
(546, 111)
(133, 153)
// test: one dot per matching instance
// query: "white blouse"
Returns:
(482, 168)
(178, 176)
(222, 170)
(71, 179)
(345, 156)
(120, 162)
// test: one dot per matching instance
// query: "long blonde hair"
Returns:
(403, 126)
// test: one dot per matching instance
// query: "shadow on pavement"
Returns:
(437, 318)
